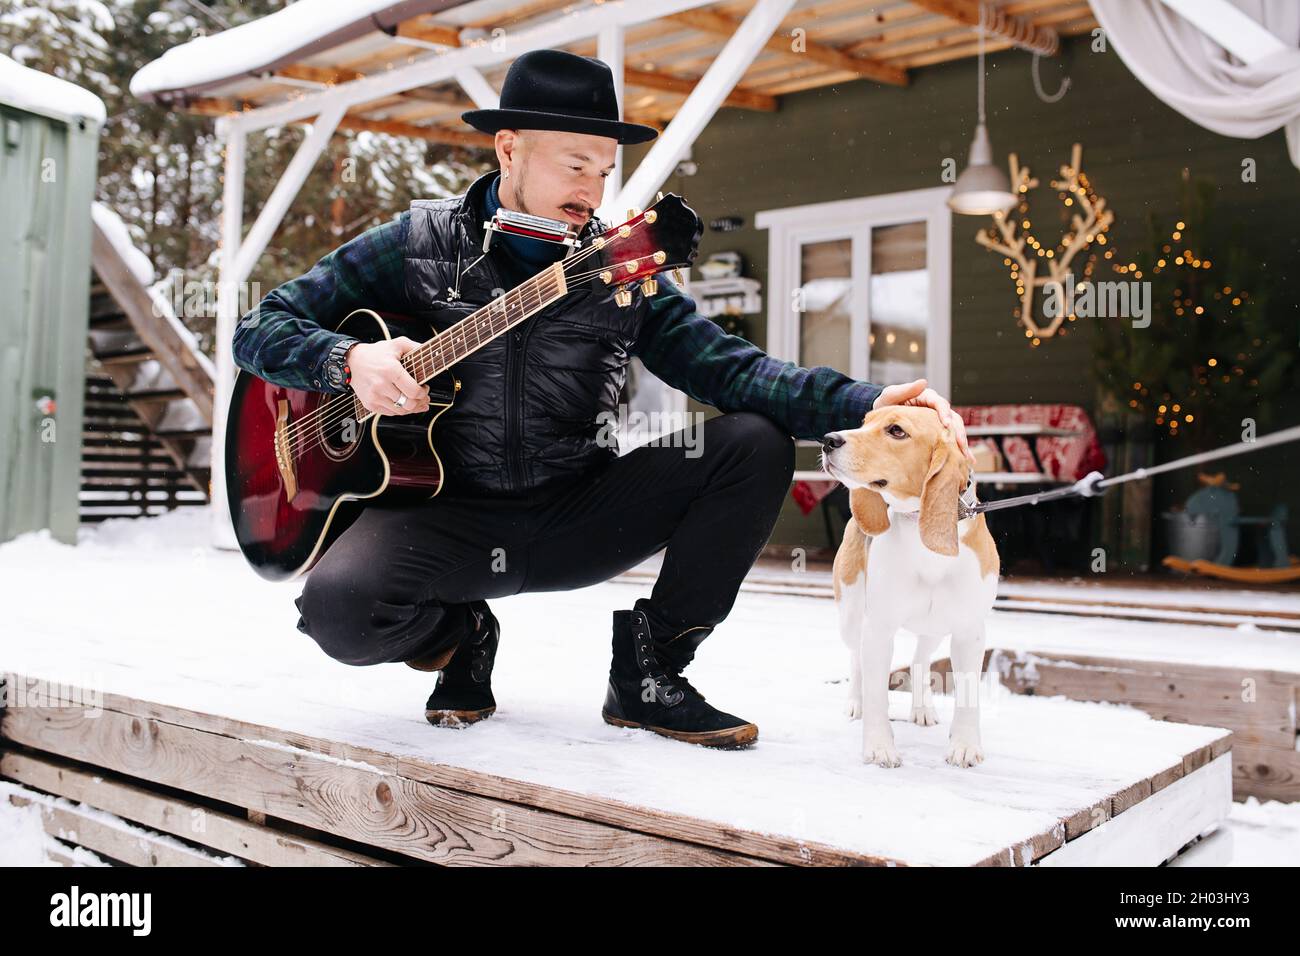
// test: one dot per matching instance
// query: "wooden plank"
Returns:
(1257, 705)
(1262, 721)
(613, 812)
(1018, 30)
(158, 335)
(710, 21)
(456, 815)
(363, 802)
(131, 846)
(222, 832)
(1174, 817)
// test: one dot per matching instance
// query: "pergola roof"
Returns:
(315, 45)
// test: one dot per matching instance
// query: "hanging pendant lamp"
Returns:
(982, 188)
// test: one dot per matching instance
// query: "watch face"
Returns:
(334, 374)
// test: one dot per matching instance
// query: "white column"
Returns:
(295, 174)
(610, 48)
(718, 81)
(479, 89)
(232, 222)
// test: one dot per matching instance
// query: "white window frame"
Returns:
(795, 226)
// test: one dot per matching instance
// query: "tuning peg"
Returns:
(633, 213)
(607, 277)
(623, 297)
(660, 196)
(649, 287)
(678, 277)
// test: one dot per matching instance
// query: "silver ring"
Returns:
(401, 401)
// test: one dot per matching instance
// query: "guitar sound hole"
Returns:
(340, 436)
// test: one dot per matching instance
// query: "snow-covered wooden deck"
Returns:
(210, 689)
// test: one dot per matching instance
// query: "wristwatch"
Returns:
(336, 371)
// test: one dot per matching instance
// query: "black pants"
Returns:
(396, 585)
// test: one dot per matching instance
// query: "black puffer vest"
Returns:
(527, 412)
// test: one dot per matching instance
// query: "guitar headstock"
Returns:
(664, 237)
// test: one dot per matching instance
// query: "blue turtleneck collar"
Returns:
(531, 252)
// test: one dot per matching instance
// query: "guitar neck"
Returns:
(478, 329)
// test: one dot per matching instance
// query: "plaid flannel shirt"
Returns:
(281, 341)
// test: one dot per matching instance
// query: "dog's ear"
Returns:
(869, 510)
(944, 482)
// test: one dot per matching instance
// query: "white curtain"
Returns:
(1199, 78)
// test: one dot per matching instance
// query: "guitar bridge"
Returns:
(283, 457)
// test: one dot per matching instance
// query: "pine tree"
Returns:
(1213, 357)
(160, 168)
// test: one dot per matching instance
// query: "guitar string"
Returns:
(304, 435)
(346, 403)
(344, 406)
(309, 432)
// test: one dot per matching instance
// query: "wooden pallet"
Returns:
(190, 783)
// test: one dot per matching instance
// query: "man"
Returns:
(535, 499)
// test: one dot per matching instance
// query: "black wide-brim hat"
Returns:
(555, 89)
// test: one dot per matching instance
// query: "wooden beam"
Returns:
(164, 813)
(153, 329)
(209, 106)
(723, 25)
(1018, 30)
(653, 80)
(441, 34)
(434, 134)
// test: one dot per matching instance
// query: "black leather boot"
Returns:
(647, 690)
(463, 694)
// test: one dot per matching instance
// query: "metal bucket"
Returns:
(1192, 537)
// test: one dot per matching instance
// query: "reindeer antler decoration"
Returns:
(1086, 228)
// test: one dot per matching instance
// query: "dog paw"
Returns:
(853, 707)
(965, 752)
(881, 752)
(924, 714)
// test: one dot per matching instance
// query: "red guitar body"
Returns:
(286, 517)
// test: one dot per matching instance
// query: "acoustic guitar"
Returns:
(301, 465)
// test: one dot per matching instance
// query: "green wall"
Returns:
(862, 138)
(47, 182)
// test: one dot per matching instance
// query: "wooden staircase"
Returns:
(147, 437)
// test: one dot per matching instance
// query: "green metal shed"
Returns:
(49, 141)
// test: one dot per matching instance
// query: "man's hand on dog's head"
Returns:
(917, 393)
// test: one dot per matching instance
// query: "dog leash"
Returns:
(1094, 483)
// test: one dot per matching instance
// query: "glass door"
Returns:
(863, 286)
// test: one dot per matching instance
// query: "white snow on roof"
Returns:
(250, 46)
(37, 92)
(114, 229)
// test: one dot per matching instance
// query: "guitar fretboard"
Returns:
(479, 328)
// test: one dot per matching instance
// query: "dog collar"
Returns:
(967, 500)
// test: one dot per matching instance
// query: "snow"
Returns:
(181, 415)
(251, 46)
(217, 638)
(1223, 599)
(114, 229)
(37, 92)
(1078, 632)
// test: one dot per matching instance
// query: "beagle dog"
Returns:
(908, 559)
